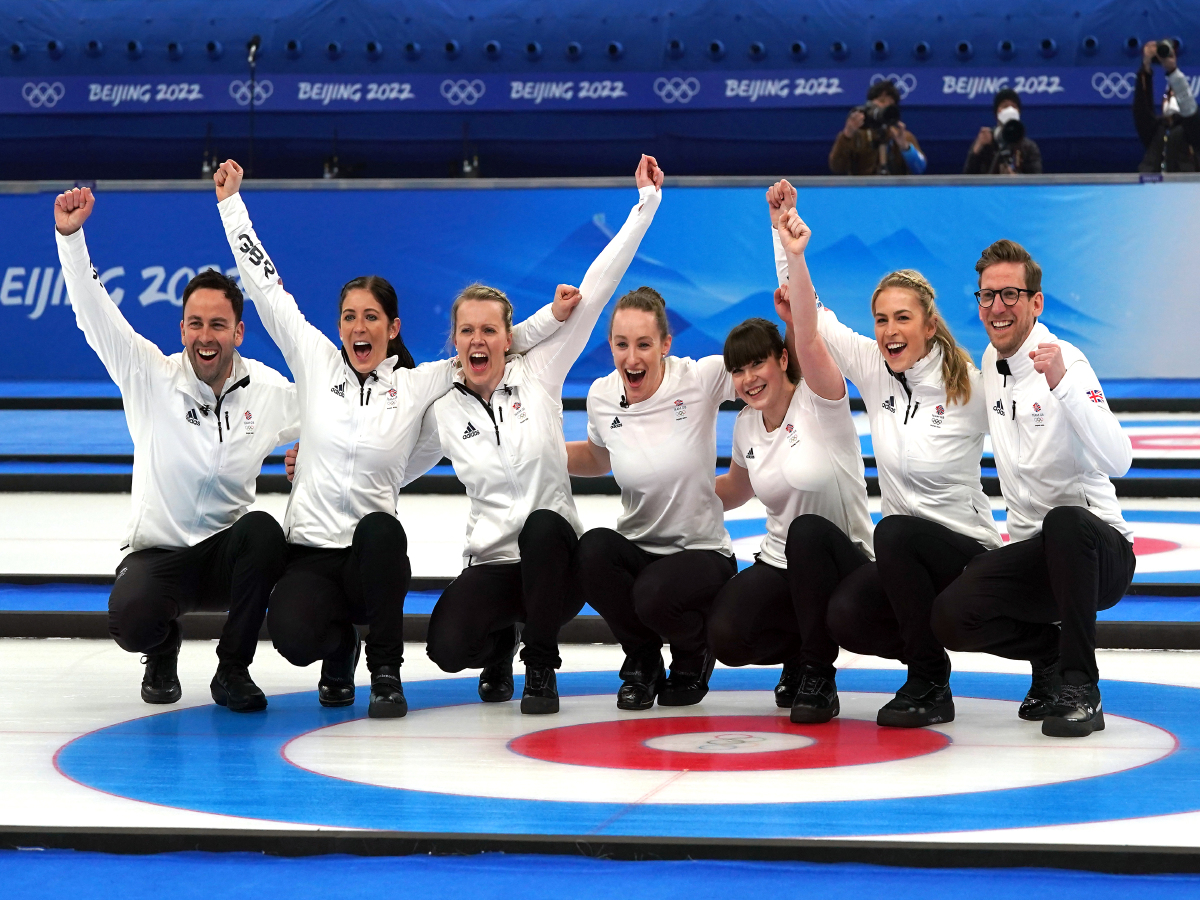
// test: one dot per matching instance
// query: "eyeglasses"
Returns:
(1008, 296)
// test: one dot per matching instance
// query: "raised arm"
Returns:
(546, 321)
(298, 339)
(124, 352)
(551, 360)
(1078, 390)
(817, 365)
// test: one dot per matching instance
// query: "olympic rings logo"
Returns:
(43, 94)
(734, 741)
(1113, 85)
(240, 92)
(671, 90)
(462, 91)
(905, 84)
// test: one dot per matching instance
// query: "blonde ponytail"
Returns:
(956, 363)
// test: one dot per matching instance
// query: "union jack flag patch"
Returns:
(1096, 396)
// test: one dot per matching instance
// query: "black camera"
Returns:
(878, 119)
(1163, 50)
(1007, 137)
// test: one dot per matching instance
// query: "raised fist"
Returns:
(1047, 359)
(781, 197)
(71, 209)
(794, 234)
(783, 305)
(228, 179)
(566, 298)
(648, 173)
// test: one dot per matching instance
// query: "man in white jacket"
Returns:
(202, 422)
(1070, 553)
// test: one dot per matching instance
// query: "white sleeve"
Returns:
(127, 356)
(1097, 428)
(835, 419)
(594, 432)
(781, 266)
(738, 453)
(855, 354)
(1183, 93)
(297, 339)
(717, 381)
(535, 329)
(551, 360)
(428, 450)
(289, 415)
(427, 382)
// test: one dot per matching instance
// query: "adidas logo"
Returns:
(750, 453)
(471, 432)
(339, 389)
(998, 408)
(890, 404)
(616, 423)
(192, 418)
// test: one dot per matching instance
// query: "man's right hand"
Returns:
(228, 179)
(984, 138)
(289, 461)
(71, 209)
(854, 121)
(648, 173)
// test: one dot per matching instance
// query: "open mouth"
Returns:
(478, 362)
(895, 348)
(1001, 324)
(635, 377)
(207, 355)
(755, 391)
(362, 350)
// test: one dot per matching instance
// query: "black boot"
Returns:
(336, 687)
(496, 680)
(686, 687)
(789, 683)
(541, 691)
(233, 688)
(387, 694)
(917, 704)
(160, 683)
(642, 678)
(816, 698)
(1076, 711)
(1037, 703)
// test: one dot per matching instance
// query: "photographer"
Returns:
(1169, 133)
(1004, 149)
(875, 141)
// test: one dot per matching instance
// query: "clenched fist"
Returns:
(228, 179)
(566, 298)
(71, 209)
(648, 173)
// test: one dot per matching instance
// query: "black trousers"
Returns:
(323, 591)
(473, 623)
(233, 570)
(885, 611)
(646, 597)
(753, 621)
(1006, 601)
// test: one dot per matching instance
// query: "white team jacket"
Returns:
(1053, 447)
(510, 454)
(356, 439)
(927, 450)
(195, 455)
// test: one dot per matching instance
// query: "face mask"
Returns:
(1170, 106)
(1008, 114)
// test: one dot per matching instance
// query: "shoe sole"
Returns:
(160, 701)
(492, 698)
(808, 715)
(636, 707)
(376, 710)
(939, 715)
(1056, 726)
(221, 698)
(681, 698)
(334, 704)
(539, 706)
(1036, 717)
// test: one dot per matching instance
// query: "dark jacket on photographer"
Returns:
(859, 155)
(987, 160)
(1170, 140)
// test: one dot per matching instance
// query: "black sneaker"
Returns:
(160, 683)
(496, 680)
(1037, 703)
(917, 704)
(336, 687)
(642, 679)
(816, 698)
(233, 688)
(687, 688)
(1076, 711)
(387, 694)
(541, 691)
(789, 683)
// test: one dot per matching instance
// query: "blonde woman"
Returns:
(928, 420)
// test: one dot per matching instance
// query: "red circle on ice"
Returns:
(726, 744)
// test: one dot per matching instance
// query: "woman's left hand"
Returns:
(566, 298)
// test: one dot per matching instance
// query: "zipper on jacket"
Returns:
(241, 384)
(491, 415)
(911, 409)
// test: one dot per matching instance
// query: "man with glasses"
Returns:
(1070, 554)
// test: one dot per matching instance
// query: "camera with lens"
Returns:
(1163, 50)
(1008, 136)
(878, 119)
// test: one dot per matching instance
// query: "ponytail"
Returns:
(956, 363)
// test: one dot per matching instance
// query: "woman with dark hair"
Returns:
(653, 423)
(361, 405)
(795, 448)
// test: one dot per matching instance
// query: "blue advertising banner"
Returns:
(632, 91)
(1122, 280)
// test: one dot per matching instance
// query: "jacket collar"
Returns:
(383, 373)
(1019, 363)
(189, 383)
